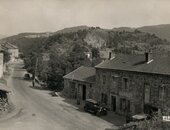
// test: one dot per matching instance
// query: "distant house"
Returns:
(105, 55)
(133, 83)
(79, 84)
(12, 49)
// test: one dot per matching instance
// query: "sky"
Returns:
(17, 16)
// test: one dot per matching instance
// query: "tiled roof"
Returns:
(84, 74)
(137, 63)
(7, 45)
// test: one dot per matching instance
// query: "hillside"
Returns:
(72, 29)
(163, 31)
(2, 36)
(121, 40)
(69, 49)
(127, 29)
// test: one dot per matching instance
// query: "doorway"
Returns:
(147, 94)
(113, 103)
(84, 92)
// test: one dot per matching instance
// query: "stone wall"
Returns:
(135, 92)
(71, 91)
(3, 101)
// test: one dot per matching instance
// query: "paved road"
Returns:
(37, 110)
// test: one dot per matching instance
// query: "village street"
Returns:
(38, 110)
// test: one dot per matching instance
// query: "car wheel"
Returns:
(106, 113)
(98, 114)
(85, 109)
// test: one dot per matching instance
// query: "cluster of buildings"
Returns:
(138, 83)
(11, 49)
(5, 47)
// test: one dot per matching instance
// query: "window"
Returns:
(161, 92)
(147, 93)
(114, 81)
(124, 105)
(125, 83)
(128, 105)
(98, 77)
(104, 79)
(104, 98)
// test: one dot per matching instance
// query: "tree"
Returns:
(77, 56)
(95, 53)
(55, 71)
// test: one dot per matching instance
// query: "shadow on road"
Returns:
(19, 69)
(38, 87)
(18, 78)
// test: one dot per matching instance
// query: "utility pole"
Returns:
(36, 64)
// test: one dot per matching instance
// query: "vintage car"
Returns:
(27, 76)
(93, 107)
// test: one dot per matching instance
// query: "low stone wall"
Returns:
(4, 105)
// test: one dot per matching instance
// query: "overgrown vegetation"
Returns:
(68, 51)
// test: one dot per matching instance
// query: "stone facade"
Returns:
(125, 91)
(78, 90)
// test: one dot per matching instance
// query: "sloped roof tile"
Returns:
(137, 63)
(84, 74)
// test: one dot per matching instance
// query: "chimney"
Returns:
(110, 55)
(148, 57)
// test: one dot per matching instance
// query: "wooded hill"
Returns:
(120, 40)
(67, 49)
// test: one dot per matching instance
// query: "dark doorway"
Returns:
(113, 103)
(73, 90)
(147, 94)
(84, 92)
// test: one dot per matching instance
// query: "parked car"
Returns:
(27, 76)
(94, 107)
(54, 94)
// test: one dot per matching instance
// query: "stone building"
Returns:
(133, 83)
(12, 49)
(79, 84)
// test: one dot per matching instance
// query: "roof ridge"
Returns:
(137, 63)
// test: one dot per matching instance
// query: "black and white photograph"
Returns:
(84, 64)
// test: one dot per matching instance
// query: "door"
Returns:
(147, 94)
(113, 103)
(84, 92)
(73, 90)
